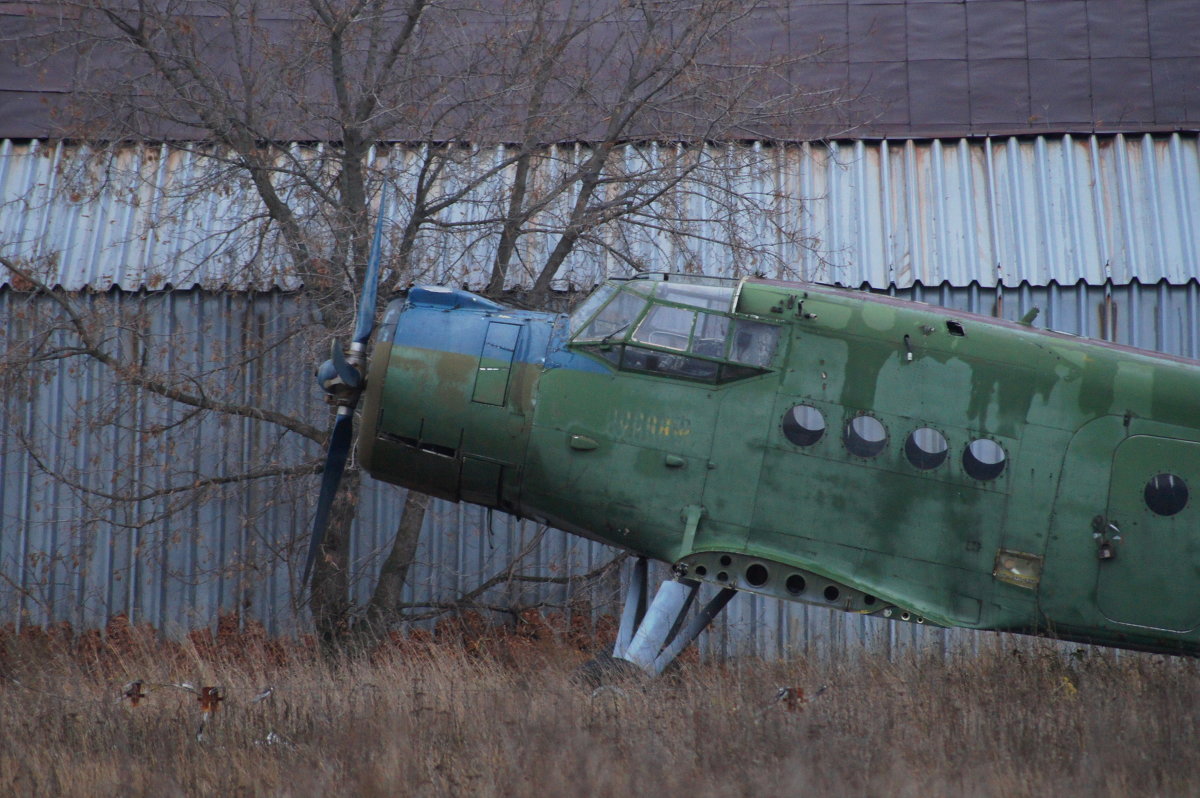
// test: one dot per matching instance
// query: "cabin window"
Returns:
(984, 459)
(926, 448)
(864, 436)
(803, 425)
(1166, 494)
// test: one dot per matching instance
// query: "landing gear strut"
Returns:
(651, 637)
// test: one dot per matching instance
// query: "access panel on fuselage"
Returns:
(495, 363)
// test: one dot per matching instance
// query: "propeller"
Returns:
(341, 377)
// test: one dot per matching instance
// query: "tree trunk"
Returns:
(330, 602)
(383, 609)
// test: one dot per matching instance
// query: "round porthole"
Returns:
(803, 425)
(984, 459)
(865, 436)
(926, 448)
(1166, 494)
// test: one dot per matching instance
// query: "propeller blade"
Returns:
(366, 305)
(335, 464)
(345, 395)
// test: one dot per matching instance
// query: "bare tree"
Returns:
(536, 136)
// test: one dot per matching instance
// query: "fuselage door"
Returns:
(739, 443)
(1146, 544)
(495, 363)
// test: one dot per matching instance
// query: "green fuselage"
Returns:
(816, 444)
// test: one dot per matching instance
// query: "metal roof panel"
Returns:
(1012, 210)
(1051, 66)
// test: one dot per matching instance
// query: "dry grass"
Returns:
(499, 715)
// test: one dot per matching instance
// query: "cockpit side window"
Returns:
(666, 326)
(753, 342)
(711, 332)
(639, 359)
(684, 330)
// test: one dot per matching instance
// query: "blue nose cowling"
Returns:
(450, 397)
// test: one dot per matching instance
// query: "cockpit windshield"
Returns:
(698, 292)
(682, 327)
(614, 318)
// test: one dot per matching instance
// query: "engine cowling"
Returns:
(450, 394)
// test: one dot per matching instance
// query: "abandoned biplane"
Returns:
(805, 442)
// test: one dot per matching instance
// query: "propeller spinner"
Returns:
(341, 377)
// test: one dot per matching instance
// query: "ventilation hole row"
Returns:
(757, 576)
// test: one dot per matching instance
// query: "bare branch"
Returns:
(470, 599)
(134, 375)
(313, 467)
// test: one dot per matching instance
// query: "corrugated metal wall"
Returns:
(195, 540)
(1101, 232)
(1005, 210)
(67, 554)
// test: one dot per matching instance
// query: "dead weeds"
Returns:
(480, 710)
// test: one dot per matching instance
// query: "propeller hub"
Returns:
(341, 377)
